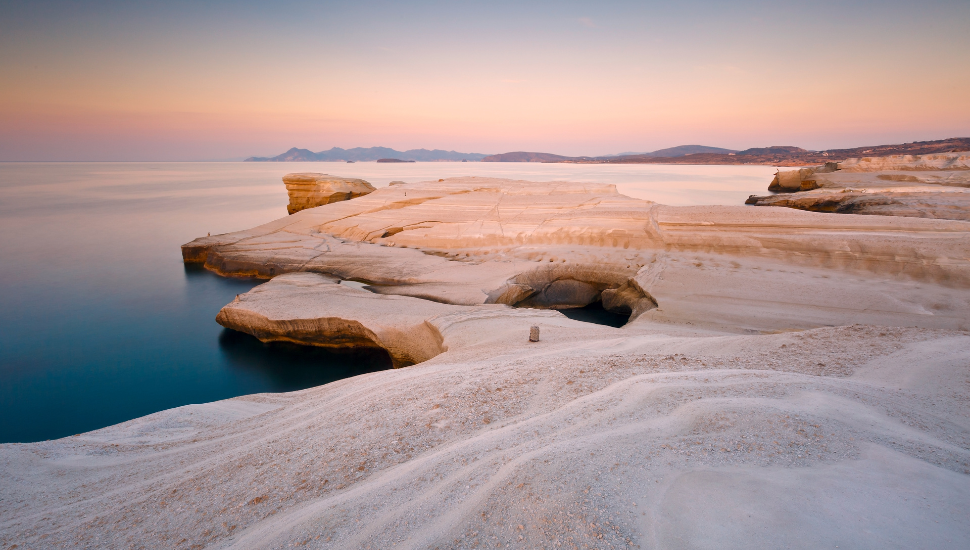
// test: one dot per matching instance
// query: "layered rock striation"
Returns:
(921, 186)
(313, 309)
(463, 240)
(310, 189)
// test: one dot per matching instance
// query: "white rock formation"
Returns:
(921, 186)
(853, 436)
(468, 240)
(908, 163)
(788, 379)
(310, 189)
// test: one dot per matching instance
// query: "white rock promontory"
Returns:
(919, 186)
(310, 189)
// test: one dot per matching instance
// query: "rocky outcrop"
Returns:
(461, 240)
(310, 189)
(908, 163)
(313, 309)
(913, 204)
(567, 286)
(803, 179)
(922, 186)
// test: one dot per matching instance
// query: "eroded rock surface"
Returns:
(650, 439)
(921, 186)
(470, 240)
(310, 189)
(784, 370)
(312, 309)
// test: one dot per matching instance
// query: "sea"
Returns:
(101, 322)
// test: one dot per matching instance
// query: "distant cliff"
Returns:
(368, 153)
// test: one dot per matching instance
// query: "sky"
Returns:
(131, 80)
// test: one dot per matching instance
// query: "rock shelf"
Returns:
(918, 186)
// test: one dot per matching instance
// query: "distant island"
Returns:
(380, 154)
(679, 151)
(778, 155)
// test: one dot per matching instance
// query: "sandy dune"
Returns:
(790, 379)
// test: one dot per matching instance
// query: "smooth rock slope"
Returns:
(854, 437)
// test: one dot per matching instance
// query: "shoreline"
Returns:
(770, 352)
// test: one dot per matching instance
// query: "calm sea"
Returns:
(101, 322)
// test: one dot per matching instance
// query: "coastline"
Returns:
(787, 353)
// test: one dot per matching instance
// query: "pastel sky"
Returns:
(132, 80)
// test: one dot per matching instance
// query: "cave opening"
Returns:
(597, 314)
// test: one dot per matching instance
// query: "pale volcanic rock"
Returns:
(307, 308)
(312, 309)
(467, 238)
(908, 163)
(789, 379)
(474, 235)
(698, 263)
(656, 439)
(921, 186)
(310, 189)
(553, 246)
(802, 179)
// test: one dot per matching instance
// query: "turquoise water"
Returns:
(101, 322)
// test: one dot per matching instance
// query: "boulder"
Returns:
(310, 189)
(790, 181)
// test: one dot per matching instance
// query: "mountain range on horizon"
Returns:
(678, 151)
(337, 154)
(776, 155)
(781, 155)
(368, 154)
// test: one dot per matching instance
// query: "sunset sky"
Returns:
(226, 80)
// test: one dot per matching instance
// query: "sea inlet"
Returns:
(103, 323)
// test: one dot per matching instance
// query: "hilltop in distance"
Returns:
(368, 153)
(778, 155)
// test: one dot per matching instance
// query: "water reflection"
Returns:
(102, 322)
(283, 366)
